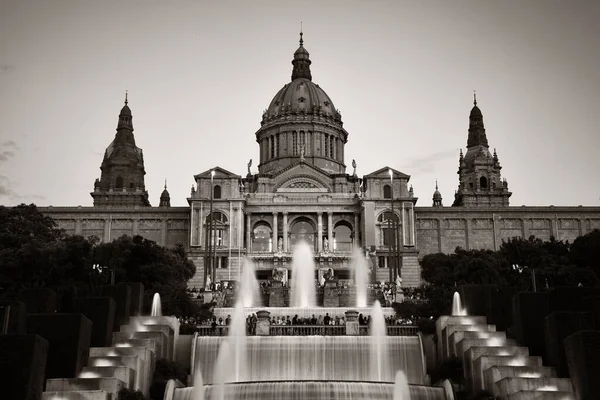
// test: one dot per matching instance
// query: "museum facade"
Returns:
(302, 193)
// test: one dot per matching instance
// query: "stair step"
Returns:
(481, 364)
(496, 373)
(110, 385)
(465, 344)
(155, 341)
(541, 395)
(457, 336)
(123, 373)
(510, 385)
(78, 395)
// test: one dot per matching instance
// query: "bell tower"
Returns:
(121, 182)
(480, 184)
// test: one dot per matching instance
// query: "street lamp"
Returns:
(392, 230)
(208, 265)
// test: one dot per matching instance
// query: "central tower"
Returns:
(301, 123)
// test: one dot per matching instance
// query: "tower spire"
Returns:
(301, 61)
(474, 98)
(126, 102)
(165, 183)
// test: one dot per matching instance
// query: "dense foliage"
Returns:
(553, 262)
(35, 253)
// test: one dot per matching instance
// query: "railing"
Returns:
(307, 330)
(311, 330)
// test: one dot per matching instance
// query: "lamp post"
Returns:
(392, 230)
(208, 265)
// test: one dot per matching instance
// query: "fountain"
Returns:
(361, 277)
(303, 277)
(222, 370)
(198, 391)
(156, 306)
(401, 388)
(378, 343)
(457, 308)
(249, 291)
(237, 341)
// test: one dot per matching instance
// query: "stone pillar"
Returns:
(319, 232)
(275, 233)
(248, 231)
(263, 324)
(356, 230)
(201, 226)
(330, 229)
(136, 226)
(352, 328)
(285, 231)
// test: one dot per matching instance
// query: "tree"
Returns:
(585, 251)
(161, 270)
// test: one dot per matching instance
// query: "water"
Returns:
(237, 342)
(222, 372)
(303, 277)
(249, 290)
(314, 390)
(320, 358)
(457, 308)
(401, 388)
(197, 391)
(156, 306)
(361, 276)
(379, 359)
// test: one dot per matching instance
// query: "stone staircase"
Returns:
(128, 363)
(496, 364)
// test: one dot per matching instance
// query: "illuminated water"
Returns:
(379, 360)
(303, 277)
(361, 276)
(331, 358)
(401, 388)
(314, 390)
(249, 289)
(457, 308)
(156, 306)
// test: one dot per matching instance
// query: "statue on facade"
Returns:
(249, 165)
(302, 153)
(354, 166)
(280, 245)
(326, 245)
(208, 283)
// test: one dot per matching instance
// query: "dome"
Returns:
(302, 96)
(476, 111)
(437, 195)
(125, 110)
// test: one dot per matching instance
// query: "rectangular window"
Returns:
(272, 140)
(382, 261)
(223, 262)
(331, 147)
(294, 143)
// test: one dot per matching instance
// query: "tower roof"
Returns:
(301, 62)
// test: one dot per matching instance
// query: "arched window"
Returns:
(217, 192)
(387, 192)
(483, 183)
(302, 231)
(220, 228)
(119, 183)
(262, 238)
(386, 223)
(342, 238)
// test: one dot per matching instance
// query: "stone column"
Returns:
(263, 324)
(285, 231)
(136, 226)
(330, 229)
(352, 328)
(356, 230)
(275, 233)
(319, 232)
(248, 231)
(201, 226)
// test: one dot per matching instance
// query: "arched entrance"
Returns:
(302, 230)
(342, 237)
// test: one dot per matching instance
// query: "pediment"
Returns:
(220, 173)
(302, 177)
(384, 173)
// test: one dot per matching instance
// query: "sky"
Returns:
(200, 73)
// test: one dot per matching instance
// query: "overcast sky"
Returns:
(200, 74)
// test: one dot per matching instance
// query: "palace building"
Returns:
(302, 192)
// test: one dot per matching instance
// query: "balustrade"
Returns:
(311, 330)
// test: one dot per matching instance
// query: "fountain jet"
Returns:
(303, 277)
(249, 291)
(457, 308)
(379, 356)
(156, 306)
(401, 388)
(361, 277)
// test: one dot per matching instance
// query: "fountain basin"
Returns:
(313, 390)
(327, 358)
(303, 312)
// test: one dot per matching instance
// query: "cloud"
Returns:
(9, 143)
(428, 163)
(6, 155)
(6, 68)
(7, 191)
